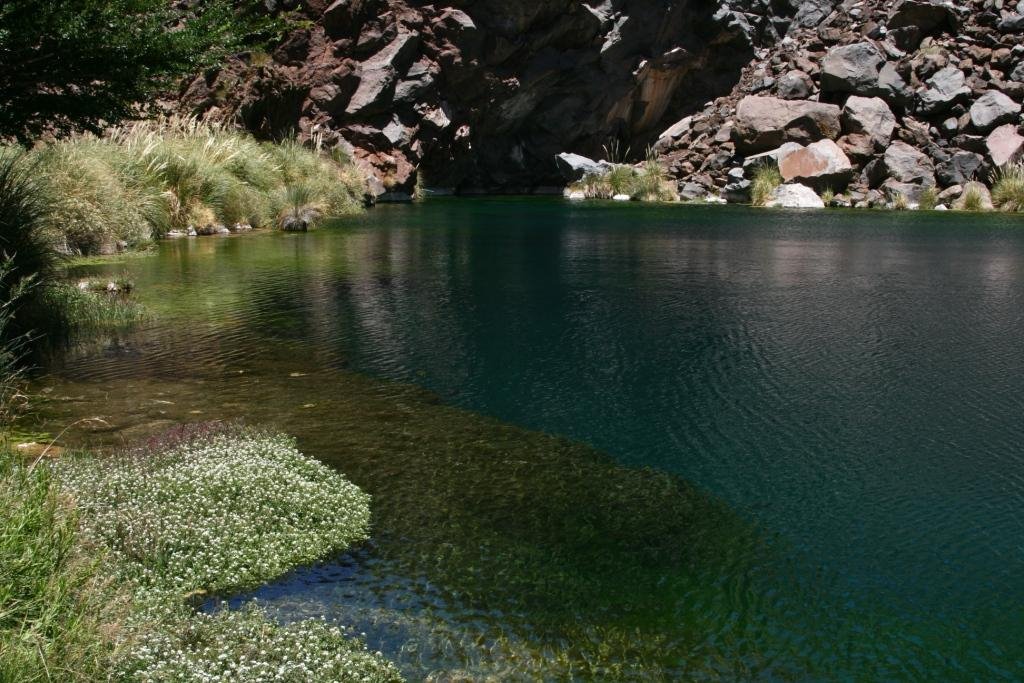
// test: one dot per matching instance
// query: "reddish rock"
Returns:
(1005, 145)
(820, 164)
(763, 123)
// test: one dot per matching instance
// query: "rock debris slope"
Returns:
(481, 95)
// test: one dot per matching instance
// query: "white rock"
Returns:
(575, 195)
(621, 198)
(795, 196)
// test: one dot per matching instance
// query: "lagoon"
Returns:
(606, 441)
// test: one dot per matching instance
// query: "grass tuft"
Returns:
(1008, 188)
(766, 180)
(972, 200)
(148, 178)
(929, 199)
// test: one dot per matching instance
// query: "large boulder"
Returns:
(871, 116)
(764, 123)
(926, 17)
(896, 191)
(820, 164)
(907, 164)
(574, 167)
(974, 193)
(946, 87)
(795, 196)
(993, 109)
(379, 74)
(962, 167)
(1004, 145)
(851, 68)
(892, 86)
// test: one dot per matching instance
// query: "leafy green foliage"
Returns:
(82, 64)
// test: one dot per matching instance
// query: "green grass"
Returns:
(145, 179)
(58, 616)
(766, 179)
(1008, 188)
(929, 199)
(972, 200)
(647, 182)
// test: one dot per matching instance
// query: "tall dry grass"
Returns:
(143, 180)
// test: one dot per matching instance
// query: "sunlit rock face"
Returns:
(482, 94)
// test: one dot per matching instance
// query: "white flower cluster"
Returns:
(245, 646)
(216, 514)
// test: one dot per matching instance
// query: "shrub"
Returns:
(1008, 188)
(827, 195)
(766, 179)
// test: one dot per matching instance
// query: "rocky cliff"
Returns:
(480, 95)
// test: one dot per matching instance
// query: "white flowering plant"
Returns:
(212, 510)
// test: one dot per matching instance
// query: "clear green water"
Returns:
(729, 444)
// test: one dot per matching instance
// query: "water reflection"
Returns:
(850, 389)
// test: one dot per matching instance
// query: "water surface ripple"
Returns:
(850, 385)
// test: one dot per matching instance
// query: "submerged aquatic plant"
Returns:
(209, 512)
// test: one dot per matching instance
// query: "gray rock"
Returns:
(927, 17)
(794, 85)
(851, 68)
(810, 13)
(795, 196)
(1018, 72)
(379, 73)
(892, 86)
(677, 129)
(688, 191)
(945, 88)
(737, 192)
(820, 164)
(907, 164)
(1012, 23)
(871, 116)
(982, 194)
(574, 167)
(993, 109)
(763, 123)
(1005, 145)
(961, 168)
(910, 192)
